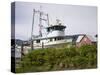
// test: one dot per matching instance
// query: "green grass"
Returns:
(52, 59)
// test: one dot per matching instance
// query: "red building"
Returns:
(84, 40)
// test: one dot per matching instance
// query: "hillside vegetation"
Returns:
(51, 59)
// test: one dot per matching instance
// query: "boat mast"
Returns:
(41, 14)
(32, 47)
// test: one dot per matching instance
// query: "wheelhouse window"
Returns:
(56, 27)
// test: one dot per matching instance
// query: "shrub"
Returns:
(59, 59)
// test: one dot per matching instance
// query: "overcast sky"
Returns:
(77, 19)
